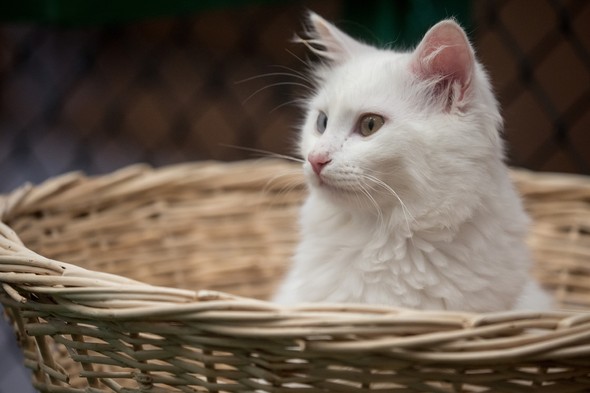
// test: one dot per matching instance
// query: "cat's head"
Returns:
(420, 124)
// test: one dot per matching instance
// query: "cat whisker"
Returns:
(372, 201)
(374, 171)
(294, 181)
(295, 73)
(388, 188)
(407, 214)
(299, 101)
(271, 74)
(360, 201)
(265, 153)
(308, 83)
(274, 85)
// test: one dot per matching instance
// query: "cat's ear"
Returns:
(327, 41)
(446, 57)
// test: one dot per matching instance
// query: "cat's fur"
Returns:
(422, 213)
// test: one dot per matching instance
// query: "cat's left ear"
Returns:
(329, 42)
(446, 56)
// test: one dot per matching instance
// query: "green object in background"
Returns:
(398, 22)
(92, 12)
(401, 23)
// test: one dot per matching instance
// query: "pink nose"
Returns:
(318, 161)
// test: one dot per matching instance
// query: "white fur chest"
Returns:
(350, 258)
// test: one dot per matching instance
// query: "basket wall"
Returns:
(228, 228)
(232, 228)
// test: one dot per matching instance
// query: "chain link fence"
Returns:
(539, 56)
(173, 89)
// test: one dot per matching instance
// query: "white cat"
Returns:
(410, 203)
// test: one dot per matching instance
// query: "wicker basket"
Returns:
(94, 324)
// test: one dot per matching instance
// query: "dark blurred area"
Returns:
(95, 86)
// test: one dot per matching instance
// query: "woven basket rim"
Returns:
(77, 290)
(82, 282)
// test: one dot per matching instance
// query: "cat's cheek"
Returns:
(308, 139)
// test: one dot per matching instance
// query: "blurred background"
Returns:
(96, 85)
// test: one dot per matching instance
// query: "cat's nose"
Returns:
(318, 161)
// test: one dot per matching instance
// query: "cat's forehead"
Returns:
(371, 78)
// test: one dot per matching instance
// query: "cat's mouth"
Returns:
(356, 187)
(338, 186)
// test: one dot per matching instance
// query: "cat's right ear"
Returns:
(327, 41)
(446, 57)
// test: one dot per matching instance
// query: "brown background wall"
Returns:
(538, 54)
(175, 89)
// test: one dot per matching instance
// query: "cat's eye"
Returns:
(370, 124)
(321, 122)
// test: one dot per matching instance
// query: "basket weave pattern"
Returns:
(122, 283)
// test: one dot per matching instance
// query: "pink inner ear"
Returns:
(445, 53)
